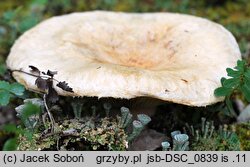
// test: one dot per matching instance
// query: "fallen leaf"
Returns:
(64, 86)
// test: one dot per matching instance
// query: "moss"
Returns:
(243, 131)
(207, 138)
(34, 144)
(216, 143)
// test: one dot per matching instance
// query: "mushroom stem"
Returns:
(49, 114)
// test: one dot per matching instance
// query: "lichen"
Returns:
(79, 134)
(180, 142)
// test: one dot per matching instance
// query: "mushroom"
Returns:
(171, 57)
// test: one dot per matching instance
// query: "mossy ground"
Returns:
(243, 131)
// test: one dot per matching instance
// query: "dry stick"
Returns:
(57, 144)
(62, 134)
(44, 119)
(43, 76)
(49, 114)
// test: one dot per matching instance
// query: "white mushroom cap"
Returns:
(172, 57)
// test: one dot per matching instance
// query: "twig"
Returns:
(57, 144)
(70, 132)
(44, 119)
(43, 76)
(49, 114)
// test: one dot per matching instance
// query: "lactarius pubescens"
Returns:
(171, 57)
